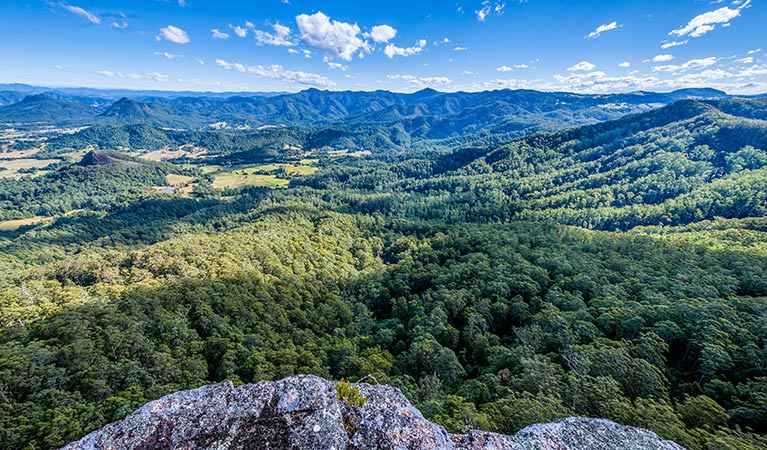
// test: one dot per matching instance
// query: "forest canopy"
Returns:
(617, 270)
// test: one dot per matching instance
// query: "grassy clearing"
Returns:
(19, 154)
(178, 180)
(165, 154)
(266, 175)
(231, 180)
(9, 168)
(13, 225)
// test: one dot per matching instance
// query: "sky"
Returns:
(398, 45)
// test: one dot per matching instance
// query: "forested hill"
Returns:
(374, 120)
(473, 280)
(683, 163)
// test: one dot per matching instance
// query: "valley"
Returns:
(615, 269)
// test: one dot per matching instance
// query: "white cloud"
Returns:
(753, 71)
(292, 51)
(307, 53)
(582, 66)
(82, 13)
(673, 44)
(337, 39)
(238, 30)
(216, 33)
(504, 69)
(421, 82)
(489, 9)
(460, 49)
(624, 64)
(689, 65)
(119, 25)
(382, 33)
(602, 28)
(279, 38)
(334, 65)
(706, 22)
(662, 58)
(747, 60)
(200, 61)
(392, 50)
(751, 52)
(154, 76)
(521, 66)
(174, 34)
(277, 72)
(468, 72)
(166, 55)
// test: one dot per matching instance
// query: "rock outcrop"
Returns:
(304, 412)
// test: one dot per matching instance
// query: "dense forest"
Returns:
(617, 270)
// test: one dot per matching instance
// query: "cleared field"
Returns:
(164, 154)
(13, 225)
(261, 175)
(19, 154)
(9, 168)
(231, 180)
(177, 180)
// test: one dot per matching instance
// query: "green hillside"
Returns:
(616, 270)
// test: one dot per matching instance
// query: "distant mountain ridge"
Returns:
(377, 120)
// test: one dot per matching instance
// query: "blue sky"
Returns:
(399, 45)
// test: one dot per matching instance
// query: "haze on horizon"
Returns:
(282, 45)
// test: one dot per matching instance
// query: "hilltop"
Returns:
(309, 413)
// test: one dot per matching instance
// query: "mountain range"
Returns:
(360, 120)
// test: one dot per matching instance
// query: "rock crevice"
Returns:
(304, 413)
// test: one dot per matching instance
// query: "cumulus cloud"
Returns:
(92, 18)
(277, 72)
(174, 34)
(689, 65)
(602, 28)
(662, 58)
(582, 66)
(708, 21)
(392, 50)
(382, 33)
(334, 65)
(488, 8)
(218, 34)
(154, 76)
(504, 69)
(167, 55)
(280, 36)
(238, 30)
(421, 82)
(673, 44)
(624, 64)
(338, 39)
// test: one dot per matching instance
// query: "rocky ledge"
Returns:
(304, 412)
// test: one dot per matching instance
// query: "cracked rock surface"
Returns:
(304, 413)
